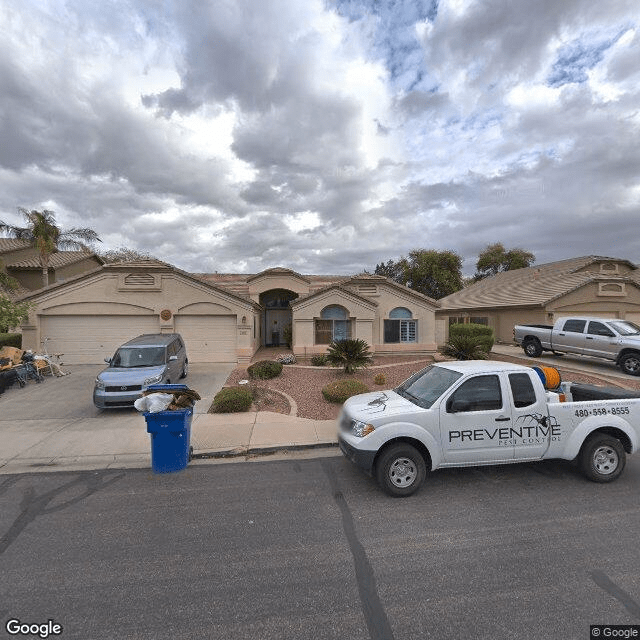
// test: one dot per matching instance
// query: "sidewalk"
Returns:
(82, 444)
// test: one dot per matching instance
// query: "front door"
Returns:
(276, 320)
(475, 422)
(600, 341)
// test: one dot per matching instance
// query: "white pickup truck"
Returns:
(617, 340)
(459, 414)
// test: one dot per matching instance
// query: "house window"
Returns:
(400, 327)
(333, 325)
(479, 320)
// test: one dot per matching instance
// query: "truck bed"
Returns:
(580, 392)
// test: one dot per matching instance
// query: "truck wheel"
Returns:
(533, 348)
(602, 458)
(400, 470)
(630, 363)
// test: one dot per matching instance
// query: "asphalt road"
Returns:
(312, 549)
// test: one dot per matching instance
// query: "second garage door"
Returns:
(209, 338)
(91, 339)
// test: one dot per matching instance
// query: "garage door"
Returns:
(633, 317)
(209, 338)
(91, 339)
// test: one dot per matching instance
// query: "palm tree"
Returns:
(47, 237)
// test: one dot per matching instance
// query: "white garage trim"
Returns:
(209, 338)
(90, 339)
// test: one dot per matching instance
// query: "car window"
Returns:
(522, 390)
(131, 357)
(426, 386)
(574, 326)
(599, 329)
(173, 349)
(481, 393)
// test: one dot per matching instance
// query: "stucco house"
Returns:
(21, 261)
(589, 285)
(226, 317)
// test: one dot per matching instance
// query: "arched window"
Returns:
(400, 327)
(333, 324)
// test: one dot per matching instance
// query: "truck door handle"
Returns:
(589, 338)
(503, 419)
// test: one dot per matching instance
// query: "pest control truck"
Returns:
(461, 414)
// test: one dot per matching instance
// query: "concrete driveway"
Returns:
(56, 419)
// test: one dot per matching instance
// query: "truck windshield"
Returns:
(426, 386)
(626, 328)
(131, 357)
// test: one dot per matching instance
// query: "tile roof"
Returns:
(56, 260)
(11, 244)
(536, 285)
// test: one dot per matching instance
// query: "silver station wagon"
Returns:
(145, 360)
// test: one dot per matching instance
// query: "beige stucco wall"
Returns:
(368, 317)
(270, 281)
(107, 293)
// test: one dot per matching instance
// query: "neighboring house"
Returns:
(590, 285)
(226, 317)
(22, 262)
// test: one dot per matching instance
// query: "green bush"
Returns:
(350, 354)
(232, 400)
(481, 332)
(340, 390)
(319, 360)
(469, 342)
(380, 379)
(265, 369)
(11, 340)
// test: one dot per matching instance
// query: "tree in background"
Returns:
(12, 314)
(433, 273)
(495, 258)
(47, 237)
(124, 254)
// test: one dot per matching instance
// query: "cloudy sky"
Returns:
(325, 135)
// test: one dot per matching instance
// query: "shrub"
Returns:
(481, 332)
(469, 342)
(11, 340)
(380, 379)
(232, 400)
(265, 369)
(319, 360)
(286, 358)
(350, 354)
(340, 390)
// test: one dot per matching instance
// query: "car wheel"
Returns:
(533, 348)
(185, 369)
(630, 363)
(602, 458)
(400, 470)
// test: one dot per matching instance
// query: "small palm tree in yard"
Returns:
(351, 354)
(47, 237)
(464, 347)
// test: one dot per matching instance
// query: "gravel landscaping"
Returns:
(304, 384)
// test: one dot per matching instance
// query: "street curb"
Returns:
(240, 452)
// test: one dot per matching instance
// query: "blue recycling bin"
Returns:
(170, 434)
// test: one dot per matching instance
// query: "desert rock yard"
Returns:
(304, 384)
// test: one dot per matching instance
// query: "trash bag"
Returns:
(154, 402)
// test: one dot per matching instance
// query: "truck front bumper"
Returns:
(362, 458)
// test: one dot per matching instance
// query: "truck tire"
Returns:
(400, 470)
(630, 363)
(602, 458)
(532, 347)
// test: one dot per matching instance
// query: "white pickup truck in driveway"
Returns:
(458, 414)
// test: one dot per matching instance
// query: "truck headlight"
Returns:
(361, 429)
(153, 380)
(99, 384)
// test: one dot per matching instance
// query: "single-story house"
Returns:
(590, 285)
(21, 261)
(226, 317)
